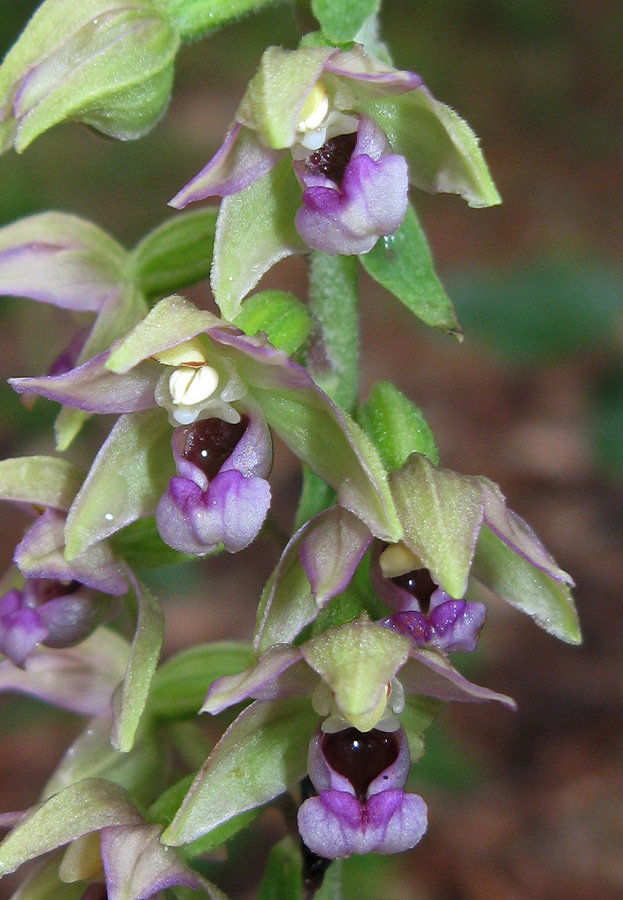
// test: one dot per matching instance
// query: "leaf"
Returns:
(341, 20)
(402, 263)
(128, 476)
(279, 315)
(40, 480)
(441, 513)
(525, 587)
(181, 683)
(261, 755)
(283, 875)
(196, 18)
(255, 229)
(175, 254)
(87, 806)
(397, 426)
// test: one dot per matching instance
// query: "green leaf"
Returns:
(87, 806)
(129, 475)
(261, 755)
(402, 263)
(41, 480)
(131, 697)
(175, 254)
(341, 20)
(141, 546)
(255, 229)
(441, 514)
(280, 315)
(283, 875)
(397, 426)
(525, 587)
(182, 682)
(197, 18)
(441, 149)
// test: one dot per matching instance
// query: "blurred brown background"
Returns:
(526, 806)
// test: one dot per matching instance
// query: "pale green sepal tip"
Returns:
(169, 323)
(547, 600)
(357, 661)
(441, 514)
(40, 480)
(277, 92)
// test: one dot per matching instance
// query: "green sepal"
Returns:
(86, 806)
(141, 546)
(402, 264)
(357, 660)
(441, 149)
(441, 514)
(127, 478)
(175, 254)
(280, 316)
(277, 92)
(92, 756)
(341, 20)
(194, 19)
(397, 426)
(40, 480)
(181, 683)
(255, 230)
(96, 61)
(130, 698)
(522, 585)
(261, 755)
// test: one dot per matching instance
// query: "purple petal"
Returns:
(40, 554)
(94, 388)
(335, 825)
(279, 672)
(21, 627)
(240, 161)
(453, 626)
(429, 673)
(370, 201)
(137, 865)
(231, 510)
(331, 552)
(516, 533)
(356, 65)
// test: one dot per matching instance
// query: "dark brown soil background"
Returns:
(526, 806)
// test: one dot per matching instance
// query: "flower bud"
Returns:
(105, 63)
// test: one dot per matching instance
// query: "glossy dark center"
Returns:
(50, 590)
(360, 756)
(419, 584)
(332, 158)
(207, 444)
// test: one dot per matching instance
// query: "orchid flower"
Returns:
(181, 367)
(320, 156)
